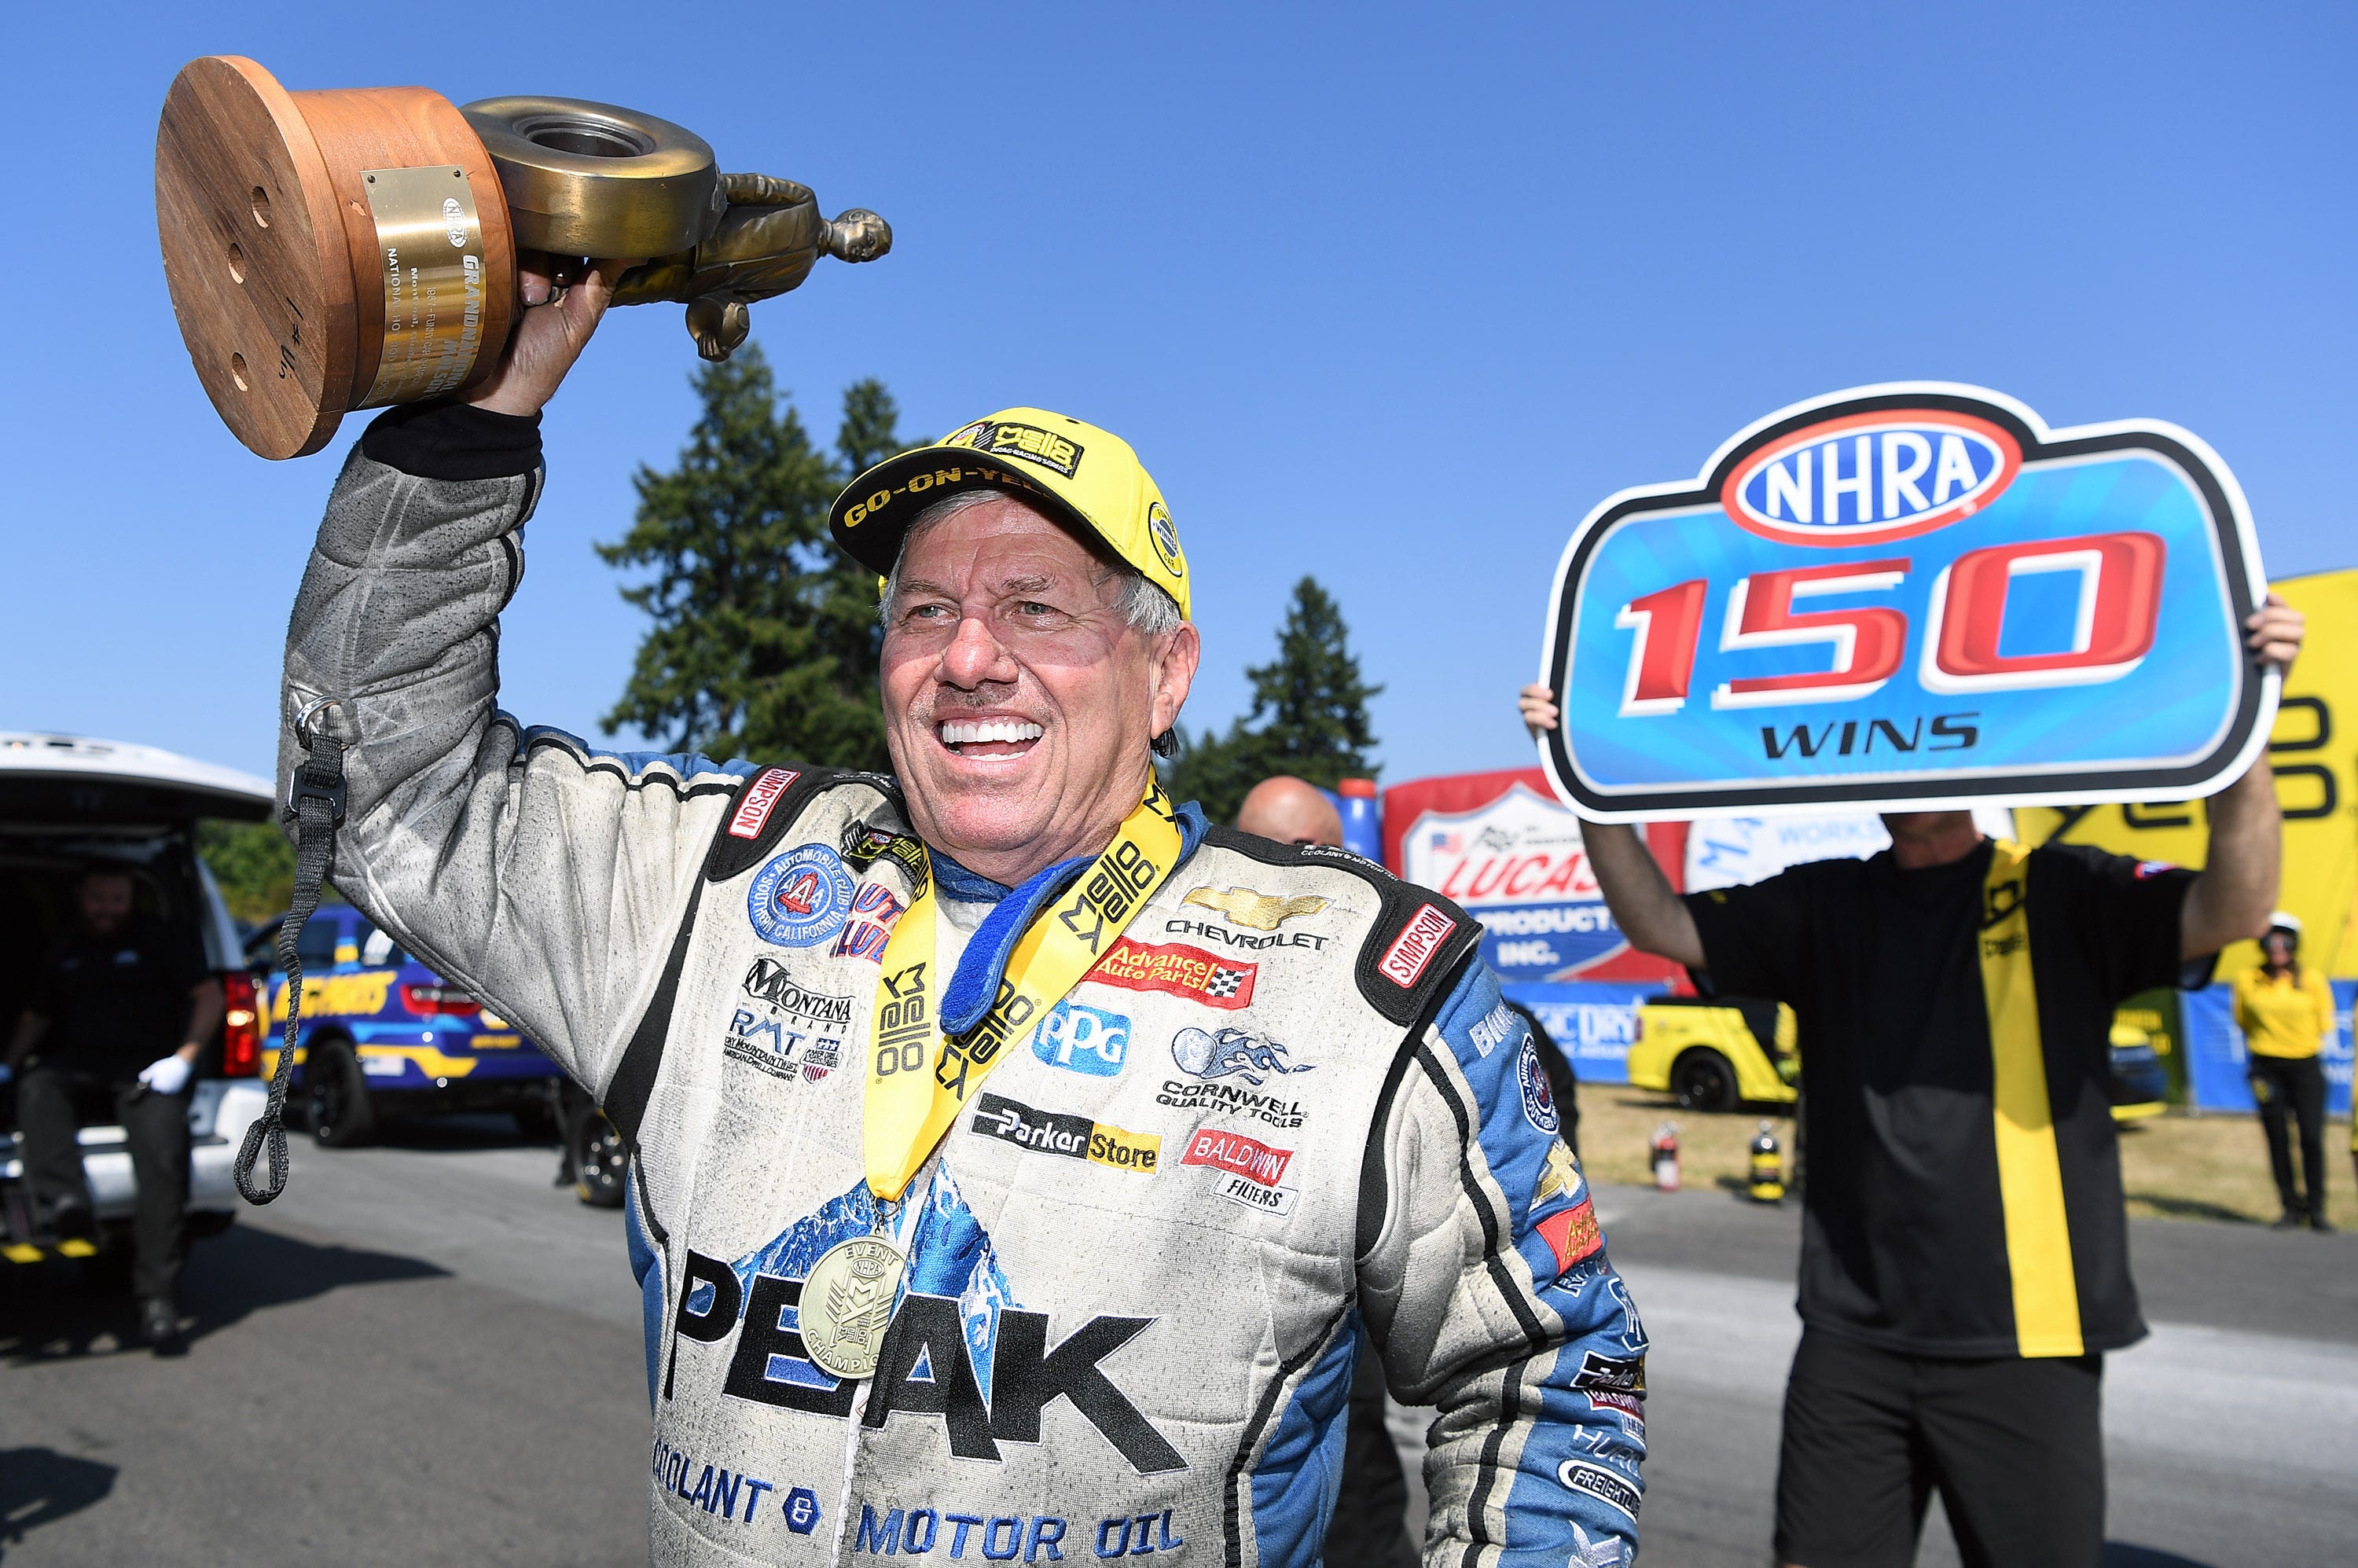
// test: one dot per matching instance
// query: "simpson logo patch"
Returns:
(1176, 969)
(1074, 1136)
(761, 796)
(1413, 949)
(1031, 443)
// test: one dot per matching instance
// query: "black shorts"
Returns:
(2014, 1446)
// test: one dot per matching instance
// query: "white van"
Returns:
(66, 802)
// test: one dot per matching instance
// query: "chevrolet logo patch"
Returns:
(1255, 910)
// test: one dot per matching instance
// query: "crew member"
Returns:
(2285, 1009)
(1290, 811)
(1965, 1264)
(1016, 1156)
(120, 1009)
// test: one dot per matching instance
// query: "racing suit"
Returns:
(1288, 1101)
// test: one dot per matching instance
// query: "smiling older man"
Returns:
(1015, 1157)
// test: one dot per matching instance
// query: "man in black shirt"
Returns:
(1964, 1259)
(121, 1008)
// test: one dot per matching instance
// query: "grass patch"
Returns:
(2172, 1167)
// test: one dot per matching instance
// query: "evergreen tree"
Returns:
(1309, 715)
(765, 638)
(252, 863)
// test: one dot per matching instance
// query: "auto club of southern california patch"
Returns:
(800, 898)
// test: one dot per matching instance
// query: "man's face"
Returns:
(1923, 825)
(104, 903)
(1018, 704)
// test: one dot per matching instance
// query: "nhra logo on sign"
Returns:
(1867, 478)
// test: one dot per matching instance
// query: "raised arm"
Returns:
(1649, 913)
(2231, 898)
(537, 874)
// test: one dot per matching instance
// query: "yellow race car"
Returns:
(1709, 1053)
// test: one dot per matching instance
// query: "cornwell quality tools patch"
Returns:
(1058, 1132)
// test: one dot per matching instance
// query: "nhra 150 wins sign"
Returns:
(1913, 594)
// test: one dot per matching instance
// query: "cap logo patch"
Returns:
(1159, 528)
(1031, 443)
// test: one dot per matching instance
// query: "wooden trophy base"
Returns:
(326, 251)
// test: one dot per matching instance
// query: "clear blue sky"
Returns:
(1388, 294)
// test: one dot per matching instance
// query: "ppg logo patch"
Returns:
(1539, 1101)
(1083, 1039)
(800, 898)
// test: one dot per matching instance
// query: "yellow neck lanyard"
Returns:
(908, 1110)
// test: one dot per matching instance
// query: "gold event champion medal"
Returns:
(848, 1303)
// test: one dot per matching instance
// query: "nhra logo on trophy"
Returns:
(1916, 595)
(350, 248)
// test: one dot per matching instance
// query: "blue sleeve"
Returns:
(1543, 1431)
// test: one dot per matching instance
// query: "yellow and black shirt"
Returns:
(1964, 1188)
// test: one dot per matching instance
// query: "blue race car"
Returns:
(383, 1036)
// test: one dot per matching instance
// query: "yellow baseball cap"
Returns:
(1078, 473)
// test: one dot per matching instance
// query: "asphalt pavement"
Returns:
(426, 1354)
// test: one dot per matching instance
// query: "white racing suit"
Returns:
(1286, 1108)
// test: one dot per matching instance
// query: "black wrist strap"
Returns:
(317, 798)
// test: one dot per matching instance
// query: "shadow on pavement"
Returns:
(2121, 1554)
(2191, 1208)
(50, 1311)
(471, 1130)
(40, 1485)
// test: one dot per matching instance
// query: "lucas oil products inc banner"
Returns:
(1914, 593)
(1501, 846)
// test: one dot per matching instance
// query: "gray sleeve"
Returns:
(1487, 1291)
(543, 877)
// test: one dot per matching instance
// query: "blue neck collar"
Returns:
(984, 963)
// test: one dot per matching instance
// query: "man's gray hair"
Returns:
(1146, 606)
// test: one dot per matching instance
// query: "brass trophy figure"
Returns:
(350, 248)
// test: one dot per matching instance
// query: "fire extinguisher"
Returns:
(1666, 1157)
(1768, 1167)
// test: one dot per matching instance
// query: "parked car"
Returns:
(595, 1158)
(383, 1037)
(68, 803)
(1723, 1055)
(1714, 1055)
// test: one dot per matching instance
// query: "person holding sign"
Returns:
(2286, 1010)
(1965, 1258)
(1016, 1158)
